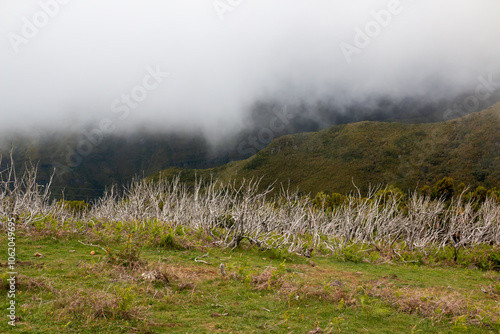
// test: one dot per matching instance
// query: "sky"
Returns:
(200, 65)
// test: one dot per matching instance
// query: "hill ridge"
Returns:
(372, 152)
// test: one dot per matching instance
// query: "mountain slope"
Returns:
(115, 160)
(369, 153)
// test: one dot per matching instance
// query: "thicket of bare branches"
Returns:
(233, 212)
(20, 195)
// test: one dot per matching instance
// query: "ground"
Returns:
(75, 284)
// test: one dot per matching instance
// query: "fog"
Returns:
(201, 65)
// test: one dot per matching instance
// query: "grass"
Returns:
(68, 290)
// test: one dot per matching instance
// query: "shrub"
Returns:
(390, 192)
(75, 206)
(328, 202)
(443, 188)
(170, 240)
(495, 260)
(480, 194)
(425, 191)
(352, 254)
(127, 257)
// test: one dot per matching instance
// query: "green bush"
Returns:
(352, 253)
(480, 194)
(328, 202)
(75, 206)
(127, 257)
(495, 194)
(425, 191)
(495, 260)
(443, 188)
(390, 192)
(170, 240)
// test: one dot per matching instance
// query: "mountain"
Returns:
(85, 163)
(408, 156)
(84, 174)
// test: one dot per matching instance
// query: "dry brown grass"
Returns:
(31, 284)
(287, 286)
(435, 303)
(116, 273)
(425, 302)
(159, 294)
(178, 273)
(95, 304)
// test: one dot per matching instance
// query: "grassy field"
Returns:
(165, 258)
(71, 281)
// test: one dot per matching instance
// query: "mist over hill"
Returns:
(368, 154)
(194, 67)
(84, 164)
(104, 91)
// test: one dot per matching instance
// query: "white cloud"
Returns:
(93, 51)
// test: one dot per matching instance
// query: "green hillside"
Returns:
(466, 149)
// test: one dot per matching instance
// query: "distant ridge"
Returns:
(408, 156)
